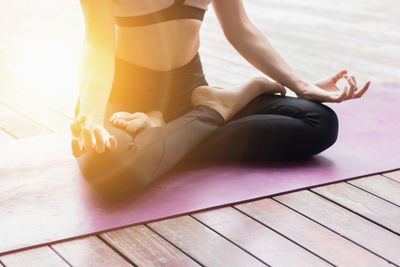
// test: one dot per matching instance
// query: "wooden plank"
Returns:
(202, 244)
(346, 223)
(381, 186)
(363, 203)
(337, 58)
(19, 125)
(39, 112)
(393, 175)
(258, 240)
(301, 25)
(332, 247)
(42, 256)
(146, 248)
(42, 53)
(89, 251)
(304, 14)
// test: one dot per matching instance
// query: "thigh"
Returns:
(272, 128)
(284, 105)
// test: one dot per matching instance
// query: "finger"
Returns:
(111, 118)
(76, 150)
(112, 143)
(121, 123)
(352, 88)
(88, 139)
(355, 84)
(346, 93)
(360, 92)
(100, 142)
(339, 96)
(354, 80)
(76, 128)
(83, 119)
(338, 76)
(116, 122)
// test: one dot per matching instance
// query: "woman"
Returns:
(144, 104)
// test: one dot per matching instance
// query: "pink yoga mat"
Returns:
(44, 199)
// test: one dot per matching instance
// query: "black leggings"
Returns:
(269, 128)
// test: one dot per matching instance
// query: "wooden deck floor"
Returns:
(353, 223)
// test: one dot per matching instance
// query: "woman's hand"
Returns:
(89, 136)
(326, 90)
(136, 122)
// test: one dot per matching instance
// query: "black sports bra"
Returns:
(178, 10)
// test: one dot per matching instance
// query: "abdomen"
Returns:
(162, 46)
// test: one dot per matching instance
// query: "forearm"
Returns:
(95, 80)
(257, 50)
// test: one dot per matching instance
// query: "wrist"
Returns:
(94, 118)
(298, 86)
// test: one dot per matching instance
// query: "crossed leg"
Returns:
(140, 159)
(272, 127)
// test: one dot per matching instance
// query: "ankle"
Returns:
(258, 85)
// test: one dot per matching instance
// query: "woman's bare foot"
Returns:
(228, 102)
(136, 122)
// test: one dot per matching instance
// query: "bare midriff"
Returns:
(163, 46)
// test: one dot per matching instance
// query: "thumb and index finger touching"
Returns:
(338, 76)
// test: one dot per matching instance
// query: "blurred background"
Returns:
(41, 40)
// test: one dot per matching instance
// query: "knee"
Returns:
(108, 173)
(327, 126)
(331, 125)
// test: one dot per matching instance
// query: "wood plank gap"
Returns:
(59, 255)
(27, 116)
(39, 111)
(191, 236)
(38, 256)
(284, 236)
(373, 193)
(122, 255)
(237, 245)
(172, 244)
(89, 251)
(390, 178)
(341, 235)
(380, 185)
(359, 214)
(8, 132)
(61, 113)
(393, 175)
(144, 247)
